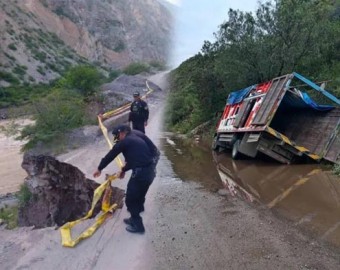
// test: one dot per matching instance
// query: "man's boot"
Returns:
(128, 221)
(136, 225)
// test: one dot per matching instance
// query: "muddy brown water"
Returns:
(192, 162)
(306, 194)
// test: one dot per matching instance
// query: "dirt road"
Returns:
(186, 228)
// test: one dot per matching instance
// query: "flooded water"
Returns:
(192, 162)
(308, 195)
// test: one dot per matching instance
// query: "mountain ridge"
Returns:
(42, 38)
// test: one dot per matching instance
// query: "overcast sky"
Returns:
(197, 20)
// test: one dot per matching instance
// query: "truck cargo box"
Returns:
(280, 120)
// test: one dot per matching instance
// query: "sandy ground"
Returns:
(186, 228)
(11, 173)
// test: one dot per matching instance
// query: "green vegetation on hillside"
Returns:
(63, 107)
(58, 112)
(10, 216)
(136, 68)
(279, 38)
(63, 104)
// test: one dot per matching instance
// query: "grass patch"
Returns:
(8, 77)
(336, 169)
(20, 70)
(20, 94)
(136, 68)
(10, 56)
(11, 129)
(24, 195)
(10, 216)
(12, 47)
(158, 65)
(41, 70)
(11, 32)
(62, 110)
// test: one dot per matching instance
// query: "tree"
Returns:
(250, 48)
(84, 79)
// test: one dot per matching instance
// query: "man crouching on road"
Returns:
(141, 156)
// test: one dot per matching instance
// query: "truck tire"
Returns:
(235, 153)
(214, 145)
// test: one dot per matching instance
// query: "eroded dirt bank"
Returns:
(187, 227)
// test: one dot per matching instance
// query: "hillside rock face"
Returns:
(40, 38)
(59, 192)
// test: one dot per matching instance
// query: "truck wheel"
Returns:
(235, 154)
(214, 145)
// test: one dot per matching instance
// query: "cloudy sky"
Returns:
(197, 20)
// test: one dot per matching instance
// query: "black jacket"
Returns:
(137, 149)
(139, 111)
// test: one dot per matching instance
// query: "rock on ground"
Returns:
(57, 193)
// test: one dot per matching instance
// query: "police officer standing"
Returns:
(141, 156)
(139, 113)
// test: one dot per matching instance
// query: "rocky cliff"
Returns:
(41, 38)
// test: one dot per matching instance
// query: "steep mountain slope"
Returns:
(41, 38)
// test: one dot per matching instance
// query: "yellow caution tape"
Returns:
(126, 106)
(106, 135)
(288, 141)
(65, 230)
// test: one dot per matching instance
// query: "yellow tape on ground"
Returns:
(65, 230)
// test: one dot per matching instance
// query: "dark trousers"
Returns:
(138, 186)
(139, 125)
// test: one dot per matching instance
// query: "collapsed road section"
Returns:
(57, 193)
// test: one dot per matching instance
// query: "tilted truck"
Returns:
(280, 121)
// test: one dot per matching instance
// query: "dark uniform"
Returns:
(141, 156)
(139, 114)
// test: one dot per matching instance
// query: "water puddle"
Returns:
(192, 162)
(306, 194)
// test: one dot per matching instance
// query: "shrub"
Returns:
(12, 47)
(84, 79)
(20, 70)
(113, 75)
(41, 70)
(8, 77)
(9, 56)
(158, 65)
(24, 194)
(11, 32)
(120, 46)
(20, 94)
(60, 111)
(41, 56)
(10, 216)
(336, 169)
(136, 68)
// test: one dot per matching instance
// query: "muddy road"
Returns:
(191, 223)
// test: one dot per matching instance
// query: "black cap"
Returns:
(121, 128)
(136, 94)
